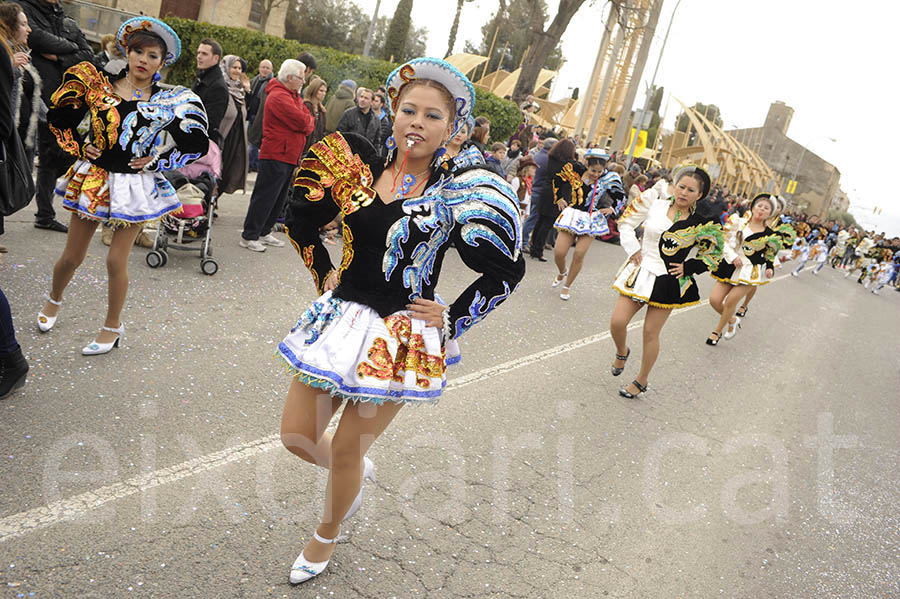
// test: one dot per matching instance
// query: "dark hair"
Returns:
(767, 197)
(497, 146)
(563, 150)
(216, 46)
(479, 134)
(144, 39)
(308, 60)
(445, 94)
(699, 175)
(594, 161)
(482, 120)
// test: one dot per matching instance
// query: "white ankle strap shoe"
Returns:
(303, 569)
(95, 348)
(45, 323)
(368, 473)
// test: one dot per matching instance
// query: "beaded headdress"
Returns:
(444, 73)
(151, 25)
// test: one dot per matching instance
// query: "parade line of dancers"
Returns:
(379, 337)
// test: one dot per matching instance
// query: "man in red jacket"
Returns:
(286, 123)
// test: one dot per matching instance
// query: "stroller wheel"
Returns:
(155, 259)
(209, 267)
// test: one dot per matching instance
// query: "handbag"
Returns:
(16, 183)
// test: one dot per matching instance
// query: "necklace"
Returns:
(136, 92)
(408, 185)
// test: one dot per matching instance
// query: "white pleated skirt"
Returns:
(119, 199)
(350, 351)
(579, 222)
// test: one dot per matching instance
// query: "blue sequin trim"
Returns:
(479, 308)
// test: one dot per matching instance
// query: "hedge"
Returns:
(333, 66)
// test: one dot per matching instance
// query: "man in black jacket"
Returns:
(257, 93)
(210, 85)
(360, 119)
(56, 44)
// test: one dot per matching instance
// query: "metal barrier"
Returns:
(96, 20)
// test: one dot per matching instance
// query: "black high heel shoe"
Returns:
(711, 341)
(628, 394)
(618, 371)
(742, 312)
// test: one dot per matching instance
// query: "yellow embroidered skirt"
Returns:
(747, 274)
(348, 350)
(94, 193)
(659, 291)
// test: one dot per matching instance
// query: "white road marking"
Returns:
(22, 523)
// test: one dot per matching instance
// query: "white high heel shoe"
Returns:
(45, 323)
(303, 569)
(368, 473)
(95, 349)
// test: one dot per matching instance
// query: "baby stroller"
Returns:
(191, 228)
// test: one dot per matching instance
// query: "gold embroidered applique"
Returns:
(307, 254)
(347, 256)
(92, 184)
(84, 85)
(569, 175)
(411, 356)
(336, 166)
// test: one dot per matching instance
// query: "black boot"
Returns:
(13, 369)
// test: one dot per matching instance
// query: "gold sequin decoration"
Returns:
(411, 356)
(336, 166)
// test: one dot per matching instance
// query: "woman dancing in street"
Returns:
(559, 156)
(577, 191)
(379, 337)
(658, 273)
(137, 130)
(781, 225)
(750, 250)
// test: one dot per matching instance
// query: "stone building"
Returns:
(232, 13)
(818, 181)
(840, 201)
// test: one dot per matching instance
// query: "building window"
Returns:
(256, 12)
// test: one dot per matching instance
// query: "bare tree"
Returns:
(542, 43)
(267, 7)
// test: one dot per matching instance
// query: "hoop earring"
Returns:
(391, 145)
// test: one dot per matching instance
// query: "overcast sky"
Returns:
(833, 62)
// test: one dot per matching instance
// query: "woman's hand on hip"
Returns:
(331, 281)
(139, 163)
(430, 311)
(677, 270)
(636, 258)
(91, 152)
(737, 262)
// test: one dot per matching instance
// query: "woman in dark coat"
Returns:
(313, 96)
(561, 153)
(234, 126)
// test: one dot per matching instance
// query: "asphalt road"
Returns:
(764, 467)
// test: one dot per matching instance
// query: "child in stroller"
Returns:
(193, 223)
